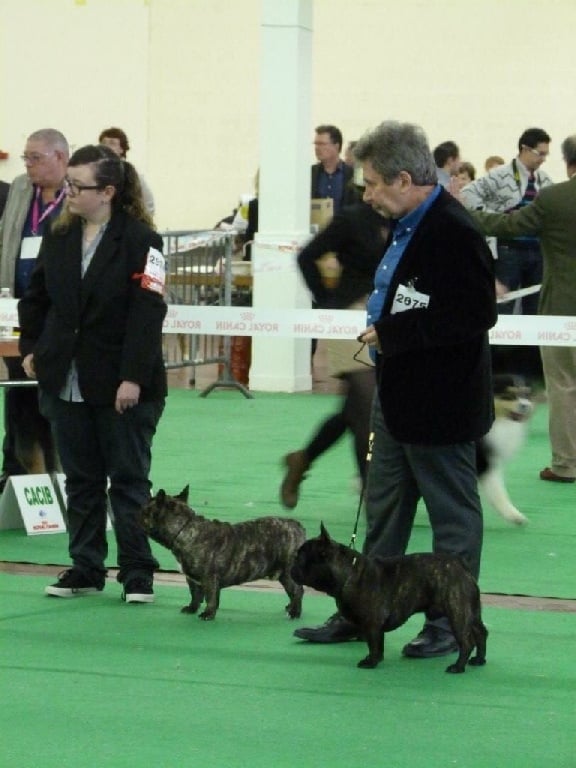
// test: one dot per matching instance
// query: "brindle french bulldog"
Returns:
(381, 595)
(213, 554)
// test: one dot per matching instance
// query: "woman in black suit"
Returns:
(91, 333)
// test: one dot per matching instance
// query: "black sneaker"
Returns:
(73, 583)
(138, 590)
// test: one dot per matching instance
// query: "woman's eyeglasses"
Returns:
(74, 189)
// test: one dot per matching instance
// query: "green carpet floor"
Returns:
(95, 683)
(228, 449)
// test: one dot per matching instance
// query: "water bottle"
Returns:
(5, 330)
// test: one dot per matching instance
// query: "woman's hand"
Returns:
(28, 365)
(127, 396)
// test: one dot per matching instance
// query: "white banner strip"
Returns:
(521, 330)
(273, 323)
(539, 330)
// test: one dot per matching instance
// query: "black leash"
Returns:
(363, 489)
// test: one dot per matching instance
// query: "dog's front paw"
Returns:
(477, 661)
(455, 669)
(191, 608)
(368, 663)
(207, 615)
(293, 611)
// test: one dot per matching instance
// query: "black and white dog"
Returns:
(513, 409)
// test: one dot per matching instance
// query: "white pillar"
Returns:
(283, 365)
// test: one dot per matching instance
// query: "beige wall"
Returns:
(74, 66)
(181, 77)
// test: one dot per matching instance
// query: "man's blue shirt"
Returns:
(332, 185)
(402, 231)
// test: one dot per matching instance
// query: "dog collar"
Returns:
(186, 523)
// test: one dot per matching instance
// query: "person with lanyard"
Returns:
(428, 319)
(34, 200)
(519, 260)
(91, 335)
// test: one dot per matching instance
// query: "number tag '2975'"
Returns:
(407, 297)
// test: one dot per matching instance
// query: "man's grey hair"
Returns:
(569, 150)
(393, 147)
(52, 138)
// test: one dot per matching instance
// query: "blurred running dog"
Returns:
(513, 409)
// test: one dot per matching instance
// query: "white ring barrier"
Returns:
(539, 330)
(519, 330)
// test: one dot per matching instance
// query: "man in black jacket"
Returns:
(428, 320)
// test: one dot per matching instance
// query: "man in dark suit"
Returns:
(331, 177)
(428, 320)
(551, 218)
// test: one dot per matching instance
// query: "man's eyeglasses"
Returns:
(34, 157)
(73, 189)
(537, 152)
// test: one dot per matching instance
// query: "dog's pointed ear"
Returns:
(183, 495)
(324, 532)
(161, 496)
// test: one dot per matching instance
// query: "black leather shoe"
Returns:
(431, 642)
(336, 630)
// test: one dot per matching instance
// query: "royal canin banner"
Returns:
(537, 330)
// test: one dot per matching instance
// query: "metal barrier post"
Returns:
(199, 272)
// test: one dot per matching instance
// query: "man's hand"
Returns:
(28, 365)
(369, 337)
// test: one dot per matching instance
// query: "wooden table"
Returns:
(212, 280)
(9, 346)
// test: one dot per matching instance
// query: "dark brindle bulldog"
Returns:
(214, 555)
(381, 595)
